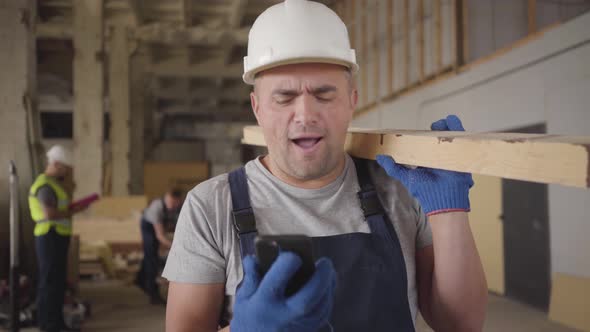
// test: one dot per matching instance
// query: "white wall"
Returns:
(546, 80)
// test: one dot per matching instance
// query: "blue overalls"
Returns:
(151, 262)
(371, 293)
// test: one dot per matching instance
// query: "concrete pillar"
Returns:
(88, 96)
(138, 63)
(17, 112)
(120, 110)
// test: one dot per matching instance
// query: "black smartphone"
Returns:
(267, 250)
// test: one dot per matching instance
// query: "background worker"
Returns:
(394, 241)
(157, 221)
(49, 200)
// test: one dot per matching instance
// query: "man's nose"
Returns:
(306, 111)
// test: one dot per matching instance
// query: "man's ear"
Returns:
(255, 105)
(354, 98)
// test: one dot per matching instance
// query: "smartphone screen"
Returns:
(268, 248)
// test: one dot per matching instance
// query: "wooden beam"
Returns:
(59, 4)
(465, 32)
(460, 36)
(54, 31)
(406, 43)
(352, 24)
(120, 104)
(376, 49)
(364, 52)
(88, 95)
(420, 36)
(390, 46)
(240, 115)
(529, 157)
(438, 35)
(209, 69)
(166, 34)
(532, 15)
(239, 93)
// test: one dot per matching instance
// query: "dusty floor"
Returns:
(120, 308)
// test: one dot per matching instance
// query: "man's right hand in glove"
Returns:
(261, 305)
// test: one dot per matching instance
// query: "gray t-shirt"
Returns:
(154, 213)
(206, 246)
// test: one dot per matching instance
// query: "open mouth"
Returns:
(306, 143)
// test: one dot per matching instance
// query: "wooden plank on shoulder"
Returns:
(529, 157)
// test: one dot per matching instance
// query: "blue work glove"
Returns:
(437, 190)
(261, 305)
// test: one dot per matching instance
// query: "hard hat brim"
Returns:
(250, 75)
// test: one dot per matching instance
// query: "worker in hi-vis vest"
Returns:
(49, 200)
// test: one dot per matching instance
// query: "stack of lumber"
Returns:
(96, 260)
(108, 229)
(114, 220)
(109, 232)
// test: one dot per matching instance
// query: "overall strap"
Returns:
(243, 215)
(381, 226)
(370, 204)
(368, 198)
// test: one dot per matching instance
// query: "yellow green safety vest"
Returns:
(43, 225)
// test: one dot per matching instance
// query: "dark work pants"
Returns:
(150, 264)
(52, 256)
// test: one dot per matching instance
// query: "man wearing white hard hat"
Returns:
(49, 203)
(393, 241)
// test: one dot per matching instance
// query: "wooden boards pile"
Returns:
(529, 157)
(109, 228)
(118, 207)
(112, 220)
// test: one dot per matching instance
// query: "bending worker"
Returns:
(157, 221)
(49, 200)
(394, 240)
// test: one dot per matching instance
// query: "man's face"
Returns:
(172, 203)
(304, 111)
(63, 171)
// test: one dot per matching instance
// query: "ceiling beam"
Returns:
(242, 116)
(56, 3)
(240, 93)
(208, 69)
(54, 31)
(205, 110)
(167, 34)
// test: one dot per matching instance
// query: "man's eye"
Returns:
(324, 99)
(283, 101)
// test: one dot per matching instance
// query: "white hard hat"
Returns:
(297, 31)
(60, 154)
